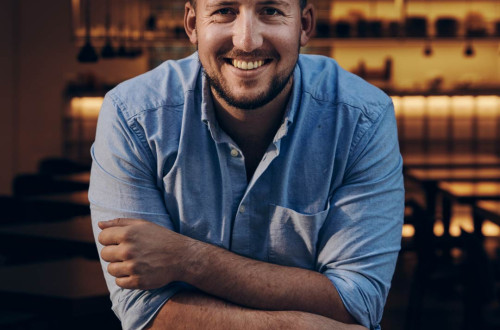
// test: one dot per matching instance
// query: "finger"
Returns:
(120, 269)
(128, 282)
(112, 236)
(119, 222)
(114, 253)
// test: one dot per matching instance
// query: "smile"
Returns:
(244, 65)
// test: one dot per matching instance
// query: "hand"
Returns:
(142, 254)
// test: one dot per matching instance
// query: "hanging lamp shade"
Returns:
(428, 46)
(108, 51)
(87, 52)
(469, 50)
(428, 49)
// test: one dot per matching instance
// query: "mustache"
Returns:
(258, 53)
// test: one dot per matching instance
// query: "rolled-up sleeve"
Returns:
(123, 185)
(361, 237)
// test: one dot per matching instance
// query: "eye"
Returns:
(223, 15)
(271, 11)
(224, 12)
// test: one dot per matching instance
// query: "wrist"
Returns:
(193, 265)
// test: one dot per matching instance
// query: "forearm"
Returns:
(194, 310)
(149, 256)
(262, 285)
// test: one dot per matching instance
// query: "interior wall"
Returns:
(7, 82)
(38, 59)
(413, 71)
(39, 62)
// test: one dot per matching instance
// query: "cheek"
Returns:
(284, 39)
(213, 38)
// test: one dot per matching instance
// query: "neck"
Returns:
(252, 130)
(256, 126)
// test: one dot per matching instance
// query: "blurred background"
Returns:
(439, 60)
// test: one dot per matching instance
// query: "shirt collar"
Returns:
(292, 107)
(293, 104)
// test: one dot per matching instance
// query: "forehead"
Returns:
(283, 3)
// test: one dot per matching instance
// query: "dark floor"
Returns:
(442, 306)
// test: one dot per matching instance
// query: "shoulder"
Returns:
(325, 81)
(164, 86)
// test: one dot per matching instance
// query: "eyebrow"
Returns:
(220, 4)
(275, 2)
(261, 3)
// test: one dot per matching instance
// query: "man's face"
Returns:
(248, 48)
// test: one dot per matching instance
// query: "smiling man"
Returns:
(247, 186)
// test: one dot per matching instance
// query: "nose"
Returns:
(247, 34)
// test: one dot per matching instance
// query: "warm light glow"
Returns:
(85, 107)
(454, 173)
(438, 106)
(438, 228)
(490, 229)
(413, 106)
(488, 106)
(461, 222)
(408, 230)
(463, 106)
(455, 231)
(456, 253)
(467, 188)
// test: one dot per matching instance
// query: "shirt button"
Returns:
(234, 153)
(242, 209)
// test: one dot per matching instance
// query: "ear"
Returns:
(308, 24)
(190, 22)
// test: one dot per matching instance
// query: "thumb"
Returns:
(119, 222)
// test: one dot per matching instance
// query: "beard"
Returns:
(223, 90)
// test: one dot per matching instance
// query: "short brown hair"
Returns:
(303, 3)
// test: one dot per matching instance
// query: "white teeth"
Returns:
(247, 65)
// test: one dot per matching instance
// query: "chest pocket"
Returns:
(293, 236)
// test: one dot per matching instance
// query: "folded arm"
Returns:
(196, 310)
(144, 255)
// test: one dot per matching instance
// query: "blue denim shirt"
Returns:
(326, 196)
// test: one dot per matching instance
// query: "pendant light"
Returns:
(428, 48)
(469, 49)
(108, 51)
(135, 26)
(87, 54)
(122, 50)
(151, 22)
(497, 28)
(428, 45)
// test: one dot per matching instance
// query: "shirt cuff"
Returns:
(137, 308)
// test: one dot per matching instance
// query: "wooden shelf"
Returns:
(397, 42)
